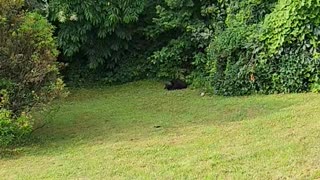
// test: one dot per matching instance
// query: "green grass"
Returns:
(109, 133)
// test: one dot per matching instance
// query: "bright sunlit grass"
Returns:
(140, 131)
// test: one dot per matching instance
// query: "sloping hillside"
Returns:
(140, 131)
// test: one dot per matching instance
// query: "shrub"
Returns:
(270, 51)
(230, 67)
(289, 73)
(13, 128)
(183, 28)
(292, 24)
(100, 39)
(29, 76)
(288, 59)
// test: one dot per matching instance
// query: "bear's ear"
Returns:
(168, 85)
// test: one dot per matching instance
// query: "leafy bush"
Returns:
(270, 51)
(288, 59)
(182, 27)
(230, 66)
(172, 61)
(293, 24)
(96, 34)
(103, 41)
(292, 72)
(231, 51)
(13, 129)
(28, 68)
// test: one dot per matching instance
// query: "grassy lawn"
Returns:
(140, 131)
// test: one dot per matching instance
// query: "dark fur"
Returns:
(175, 85)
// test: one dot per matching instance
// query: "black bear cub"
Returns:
(175, 85)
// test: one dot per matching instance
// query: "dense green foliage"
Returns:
(256, 46)
(98, 36)
(232, 50)
(228, 47)
(28, 68)
(289, 57)
(187, 24)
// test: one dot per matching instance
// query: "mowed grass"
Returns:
(140, 131)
